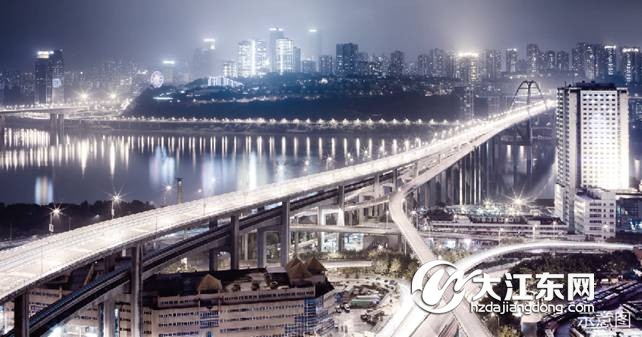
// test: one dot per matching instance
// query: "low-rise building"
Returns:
(594, 213)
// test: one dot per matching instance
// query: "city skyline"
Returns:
(156, 24)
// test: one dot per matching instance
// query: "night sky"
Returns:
(148, 31)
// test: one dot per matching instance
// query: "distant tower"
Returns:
(43, 78)
(179, 190)
(276, 33)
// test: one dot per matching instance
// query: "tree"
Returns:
(507, 331)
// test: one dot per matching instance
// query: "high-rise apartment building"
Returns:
(252, 58)
(397, 63)
(467, 67)
(276, 33)
(562, 61)
(326, 66)
(492, 64)
(533, 58)
(511, 60)
(346, 58)
(43, 77)
(285, 57)
(610, 53)
(592, 127)
(631, 64)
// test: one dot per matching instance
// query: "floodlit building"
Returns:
(467, 67)
(594, 213)
(229, 69)
(284, 56)
(592, 127)
(276, 33)
(43, 77)
(252, 58)
(511, 60)
(631, 65)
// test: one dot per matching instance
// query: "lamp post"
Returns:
(415, 216)
(54, 213)
(115, 199)
(166, 191)
(387, 216)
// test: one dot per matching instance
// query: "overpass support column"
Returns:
(341, 242)
(136, 291)
(213, 260)
(296, 244)
(3, 125)
(376, 185)
(244, 246)
(284, 238)
(395, 178)
(107, 318)
(21, 315)
(260, 248)
(213, 253)
(341, 196)
(234, 244)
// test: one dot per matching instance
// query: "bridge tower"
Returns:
(527, 93)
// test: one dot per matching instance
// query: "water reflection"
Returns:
(89, 166)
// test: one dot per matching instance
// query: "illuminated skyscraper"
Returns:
(204, 62)
(346, 59)
(611, 60)
(423, 65)
(168, 70)
(533, 58)
(315, 45)
(467, 67)
(57, 64)
(326, 66)
(562, 61)
(438, 63)
(43, 78)
(284, 49)
(592, 127)
(397, 63)
(251, 58)
(577, 59)
(631, 64)
(511, 60)
(550, 61)
(276, 33)
(296, 59)
(492, 64)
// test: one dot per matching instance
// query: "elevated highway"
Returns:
(31, 264)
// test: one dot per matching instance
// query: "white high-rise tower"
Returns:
(592, 126)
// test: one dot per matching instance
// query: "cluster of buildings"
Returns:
(50, 82)
(295, 300)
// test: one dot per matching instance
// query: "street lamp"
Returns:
(54, 213)
(115, 199)
(168, 188)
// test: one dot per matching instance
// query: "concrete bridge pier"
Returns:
(284, 233)
(21, 315)
(3, 125)
(107, 318)
(136, 291)
(234, 244)
(213, 253)
(261, 252)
